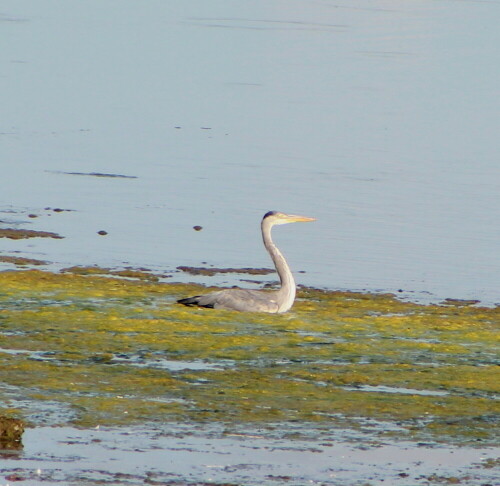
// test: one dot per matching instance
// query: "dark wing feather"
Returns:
(193, 301)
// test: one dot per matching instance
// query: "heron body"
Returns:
(272, 301)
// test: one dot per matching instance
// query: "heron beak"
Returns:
(295, 218)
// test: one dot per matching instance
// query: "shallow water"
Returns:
(379, 118)
(208, 455)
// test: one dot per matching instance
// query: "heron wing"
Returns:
(236, 299)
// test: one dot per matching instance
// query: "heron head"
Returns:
(275, 217)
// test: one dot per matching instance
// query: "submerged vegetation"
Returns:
(97, 349)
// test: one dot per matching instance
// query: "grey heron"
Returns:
(273, 301)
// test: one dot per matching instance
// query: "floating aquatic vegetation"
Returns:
(142, 274)
(19, 234)
(106, 348)
(21, 261)
(211, 271)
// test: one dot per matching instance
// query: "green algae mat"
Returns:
(102, 350)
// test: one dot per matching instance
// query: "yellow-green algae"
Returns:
(102, 346)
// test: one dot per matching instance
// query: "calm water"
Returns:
(169, 453)
(380, 118)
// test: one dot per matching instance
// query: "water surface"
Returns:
(183, 455)
(378, 118)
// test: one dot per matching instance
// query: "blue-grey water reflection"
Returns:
(380, 118)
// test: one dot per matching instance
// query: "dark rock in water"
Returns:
(11, 431)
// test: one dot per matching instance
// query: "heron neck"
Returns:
(286, 294)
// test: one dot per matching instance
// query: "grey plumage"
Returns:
(272, 301)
